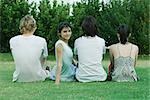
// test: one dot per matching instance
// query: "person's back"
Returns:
(90, 54)
(28, 51)
(123, 57)
(90, 48)
(124, 62)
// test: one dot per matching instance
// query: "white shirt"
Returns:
(27, 52)
(90, 54)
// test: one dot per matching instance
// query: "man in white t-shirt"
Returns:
(90, 48)
(29, 53)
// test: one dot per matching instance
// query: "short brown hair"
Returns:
(27, 23)
(89, 26)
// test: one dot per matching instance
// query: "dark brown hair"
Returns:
(89, 26)
(123, 32)
(63, 25)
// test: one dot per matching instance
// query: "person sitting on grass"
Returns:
(29, 53)
(123, 56)
(64, 69)
(89, 50)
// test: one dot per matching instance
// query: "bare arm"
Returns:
(44, 55)
(136, 55)
(59, 52)
(75, 62)
(43, 62)
(111, 62)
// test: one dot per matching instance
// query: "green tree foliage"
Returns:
(48, 18)
(139, 22)
(109, 16)
(11, 13)
(49, 14)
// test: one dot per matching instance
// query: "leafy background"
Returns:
(134, 13)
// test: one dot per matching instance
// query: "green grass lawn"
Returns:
(73, 90)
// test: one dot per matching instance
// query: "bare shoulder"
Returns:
(135, 46)
(112, 46)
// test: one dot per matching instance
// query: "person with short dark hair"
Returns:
(89, 49)
(123, 56)
(64, 69)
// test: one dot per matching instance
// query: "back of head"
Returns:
(27, 23)
(89, 26)
(63, 25)
(123, 32)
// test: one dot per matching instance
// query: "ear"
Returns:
(118, 36)
(129, 35)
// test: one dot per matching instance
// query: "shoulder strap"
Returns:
(118, 50)
(131, 50)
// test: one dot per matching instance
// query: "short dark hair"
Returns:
(62, 25)
(89, 26)
(123, 32)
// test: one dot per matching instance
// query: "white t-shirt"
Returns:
(27, 53)
(90, 53)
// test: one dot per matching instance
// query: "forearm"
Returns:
(58, 74)
(43, 62)
(135, 60)
(110, 69)
(59, 52)
(74, 62)
(111, 66)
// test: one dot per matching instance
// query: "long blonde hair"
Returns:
(27, 23)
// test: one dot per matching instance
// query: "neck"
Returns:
(125, 43)
(66, 41)
(27, 33)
